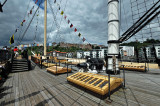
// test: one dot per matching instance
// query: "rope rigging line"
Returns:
(142, 22)
(138, 8)
(59, 25)
(55, 20)
(54, 16)
(58, 31)
(36, 29)
(29, 23)
(20, 25)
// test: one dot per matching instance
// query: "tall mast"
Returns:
(113, 36)
(45, 26)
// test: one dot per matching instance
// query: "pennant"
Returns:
(24, 20)
(21, 23)
(16, 30)
(75, 30)
(62, 12)
(36, 1)
(30, 11)
(71, 25)
(65, 17)
(68, 21)
(83, 39)
(79, 34)
(1, 10)
(12, 39)
(54, 1)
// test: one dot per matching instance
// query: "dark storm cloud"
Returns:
(88, 16)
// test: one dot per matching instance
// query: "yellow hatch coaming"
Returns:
(94, 82)
(58, 70)
(134, 68)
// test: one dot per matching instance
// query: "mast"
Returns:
(113, 36)
(45, 26)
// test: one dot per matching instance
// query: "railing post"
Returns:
(56, 68)
(67, 69)
(109, 85)
(124, 85)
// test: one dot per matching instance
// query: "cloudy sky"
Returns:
(88, 16)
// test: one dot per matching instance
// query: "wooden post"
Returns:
(45, 26)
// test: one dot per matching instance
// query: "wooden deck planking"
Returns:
(7, 97)
(4, 93)
(38, 87)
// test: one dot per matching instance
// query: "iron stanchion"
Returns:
(56, 68)
(109, 85)
(40, 60)
(124, 84)
(67, 69)
(145, 67)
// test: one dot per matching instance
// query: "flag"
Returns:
(1, 10)
(79, 34)
(65, 17)
(11, 39)
(62, 12)
(16, 30)
(30, 11)
(83, 39)
(75, 30)
(68, 21)
(36, 1)
(24, 20)
(54, 1)
(21, 23)
(71, 25)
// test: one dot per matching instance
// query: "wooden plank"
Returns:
(11, 100)
(39, 88)
(8, 90)
(36, 91)
(4, 93)
(87, 102)
(16, 90)
(26, 94)
(21, 93)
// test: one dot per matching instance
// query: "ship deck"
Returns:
(38, 87)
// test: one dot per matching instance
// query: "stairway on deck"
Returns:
(20, 65)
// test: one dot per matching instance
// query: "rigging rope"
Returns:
(18, 40)
(29, 23)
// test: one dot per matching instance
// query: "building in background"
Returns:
(127, 51)
(95, 53)
(149, 50)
